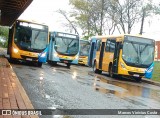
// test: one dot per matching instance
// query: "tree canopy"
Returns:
(105, 16)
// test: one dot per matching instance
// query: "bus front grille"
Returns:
(133, 73)
(33, 58)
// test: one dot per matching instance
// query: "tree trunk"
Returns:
(102, 17)
(142, 22)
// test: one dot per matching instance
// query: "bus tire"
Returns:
(110, 71)
(68, 65)
(54, 63)
(39, 64)
(95, 69)
(13, 61)
(49, 62)
(138, 79)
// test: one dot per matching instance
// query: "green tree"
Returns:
(98, 16)
(4, 31)
(89, 15)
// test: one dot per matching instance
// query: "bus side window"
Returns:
(108, 45)
(112, 45)
(98, 45)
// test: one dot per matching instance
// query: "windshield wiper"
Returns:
(37, 36)
(138, 55)
(143, 49)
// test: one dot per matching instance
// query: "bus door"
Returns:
(116, 57)
(101, 55)
(91, 54)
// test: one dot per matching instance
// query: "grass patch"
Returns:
(156, 71)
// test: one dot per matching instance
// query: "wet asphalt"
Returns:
(57, 87)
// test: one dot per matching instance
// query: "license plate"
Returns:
(136, 75)
(65, 61)
(28, 59)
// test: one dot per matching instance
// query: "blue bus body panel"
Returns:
(149, 71)
(42, 58)
(92, 52)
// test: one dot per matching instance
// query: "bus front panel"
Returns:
(137, 55)
(64, 48)
(29, 42)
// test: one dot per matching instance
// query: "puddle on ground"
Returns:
(33, 68)
(132, 92)
(28, 75)
(54, 106)
(47, 96)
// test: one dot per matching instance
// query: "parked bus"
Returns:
(28, 41)
(64, 48)
(84, 51)
(124, 55)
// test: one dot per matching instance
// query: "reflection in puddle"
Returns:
(54, 106)
(33, 68)
(47, 96)
(41, 87)
(28, 75)
(55, 112)
(74, 76)
(54, 70)
(41, 78)
(59, 116)
(135, 93)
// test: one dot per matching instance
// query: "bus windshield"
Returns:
(84, 48)
(66, 46)
(31, 37)
(138, 51)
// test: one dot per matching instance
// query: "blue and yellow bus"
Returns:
(124, 55)
(28, 41)
(63, 48)
(84, 51)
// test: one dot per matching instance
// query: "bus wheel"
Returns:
(12, 60)
(39, 64)
(95, 69)
(68, 65)
(110, 71)
(54, 63)
(138, 79)
(49, 62)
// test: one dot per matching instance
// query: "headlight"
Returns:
(55, 54)
(76, 57)
(122, 65)
(43, 54)
(15, 50)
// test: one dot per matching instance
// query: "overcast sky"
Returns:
(44, 11)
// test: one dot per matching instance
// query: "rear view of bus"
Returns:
(63, 48)
(84, 52)
(28, 42)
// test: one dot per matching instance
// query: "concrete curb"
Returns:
(149, 81)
